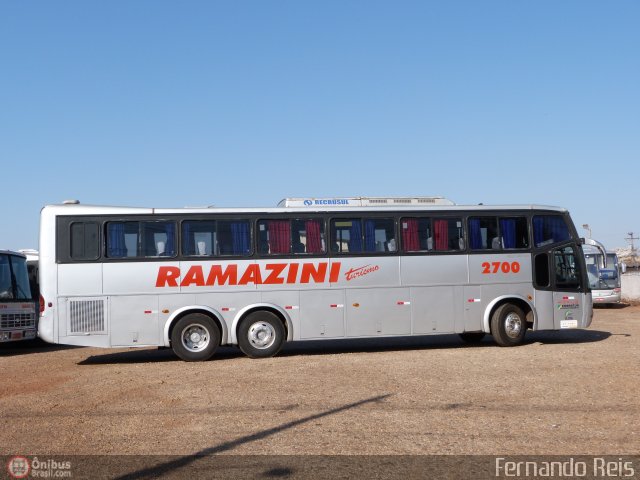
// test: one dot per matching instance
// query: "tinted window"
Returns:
(216, 237)
(514, 232)
(85, 242)
(549, 229)
(297, 236)
(14, 278)
(566, 268)
(307, 236)
(447, 234)
(274, 237)
(233, 237)
(141, 239)
(6, 283)
(346, 235)
(496, 233)
(417, 234)
(542, 270)
(199, 238)
(369, 235)
(483, 233)
(427, 234)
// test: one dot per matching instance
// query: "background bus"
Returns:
(193, 279)
(604, 277)
(17, 310)
(32, 268)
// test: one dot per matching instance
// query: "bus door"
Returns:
(569, 298)
(559, 274)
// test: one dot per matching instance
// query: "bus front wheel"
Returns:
(508, 325)
(261, 335)
(195, 337)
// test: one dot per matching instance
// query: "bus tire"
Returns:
(472, 337)
(261, 334)
(508, 325)
(195, 337)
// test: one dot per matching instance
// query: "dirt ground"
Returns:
(563, 393)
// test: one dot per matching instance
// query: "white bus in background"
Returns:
(32, 269)
(17, 309)
(193, 279)
(604, 277)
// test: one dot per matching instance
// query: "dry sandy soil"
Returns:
(563, 393)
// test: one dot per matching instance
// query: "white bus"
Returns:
(604, 277)
(17, 309)
(196, 278)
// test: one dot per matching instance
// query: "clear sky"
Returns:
(243, 103)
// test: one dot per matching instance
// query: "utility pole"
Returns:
(630, 239)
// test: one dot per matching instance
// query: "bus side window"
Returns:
(371, 235)
(483, 233)
(541, 269)
(6, 284)
(159, 239)
(85, 241)
(274, 237)
(199, 238)
(379, 235)
(514, 232)
(346, 235)
(566, 268)
(122, 238)
(141, 239)
(448, 235)
(234, 237)
(416, 234)
(307, 236)
(549, 229)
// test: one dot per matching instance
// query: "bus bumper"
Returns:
(588, 310)
(45, 328)
(607, 296)
(15, 335)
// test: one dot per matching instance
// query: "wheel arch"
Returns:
(269, 307)
(181, 312)
(519, 300)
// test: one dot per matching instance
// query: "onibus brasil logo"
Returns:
(20, 467)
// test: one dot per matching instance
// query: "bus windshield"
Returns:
(14, 278)
(602, 278)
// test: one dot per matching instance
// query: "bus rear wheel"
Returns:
(508, 325)
(261, 335)
(195, 337)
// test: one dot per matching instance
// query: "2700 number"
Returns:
(504, 267)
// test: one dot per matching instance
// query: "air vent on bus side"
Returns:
(87, 316)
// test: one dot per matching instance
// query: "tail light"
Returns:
(41, 304)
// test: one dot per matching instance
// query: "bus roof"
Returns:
(364, 201)
(591, 250)
(81, 209)
(11, 252)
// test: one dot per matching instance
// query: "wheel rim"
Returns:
(261, 335)
(195, 337)
(513, 325)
